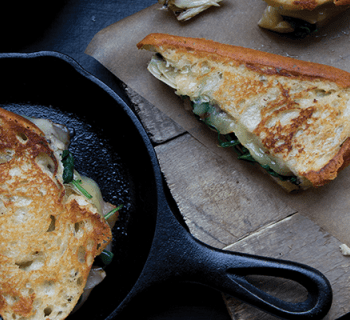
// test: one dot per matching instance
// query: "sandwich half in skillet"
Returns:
(300, 17)
(49, 232)
(290, 116)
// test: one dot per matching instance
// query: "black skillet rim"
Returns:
(144, 140)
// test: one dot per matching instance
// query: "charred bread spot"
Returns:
(306, 4)
(24, 306)
(275, 134)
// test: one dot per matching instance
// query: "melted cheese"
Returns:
(93, 189)
(272, 20)
(272, 17)
(222, 121)
(58, 137)
(258, 152)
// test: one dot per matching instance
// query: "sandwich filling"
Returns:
(279, 19)
(59, 138)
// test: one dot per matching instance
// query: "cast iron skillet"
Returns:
(151, 243)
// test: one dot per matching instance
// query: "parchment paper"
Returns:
(234, 22)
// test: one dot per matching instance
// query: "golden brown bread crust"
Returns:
(328, 173)
(304, 4)
(14, 119)
(48, 238)
(258, 60)
(341, 2)
(24, 129)
(301, 87)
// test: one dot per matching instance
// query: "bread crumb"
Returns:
(345, 250)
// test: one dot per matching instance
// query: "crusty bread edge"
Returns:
(280, 65)
(304, 4)
(21, 121)
(330, 171)
(285, 66)
(341, 2)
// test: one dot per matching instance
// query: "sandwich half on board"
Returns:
(300, 17)
(50, 232)
(290, 116)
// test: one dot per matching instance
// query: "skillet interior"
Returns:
(107, 146)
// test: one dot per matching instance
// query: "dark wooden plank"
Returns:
(298, 239)
(219, 203)
(159, 126)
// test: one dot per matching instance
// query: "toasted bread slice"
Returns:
(284, 16)
(49, 237)
(293, 116)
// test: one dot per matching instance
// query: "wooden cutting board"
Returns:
(228, 203)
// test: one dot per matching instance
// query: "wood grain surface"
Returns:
(298, 239)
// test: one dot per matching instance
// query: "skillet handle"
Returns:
(231, 269)
(176, 255)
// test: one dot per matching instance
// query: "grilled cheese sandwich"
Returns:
(50, 233)
(292, 116)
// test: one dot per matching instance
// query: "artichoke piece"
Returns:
(187, 9)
